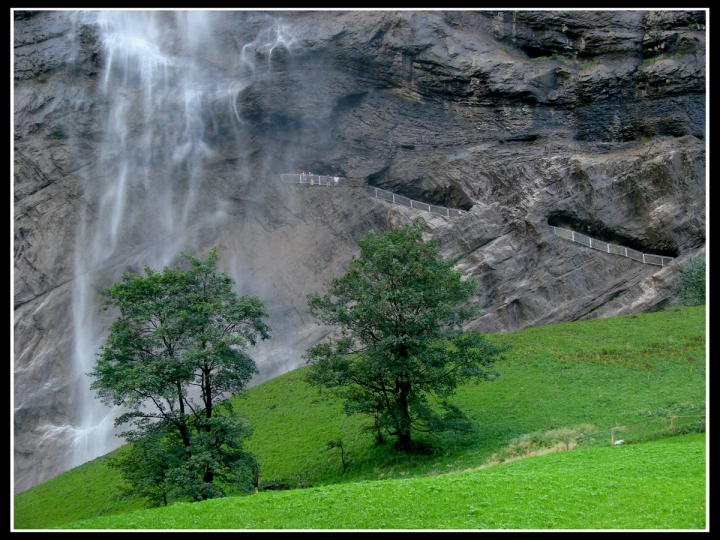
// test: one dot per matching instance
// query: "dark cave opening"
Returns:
(662, 246)
(447, 194)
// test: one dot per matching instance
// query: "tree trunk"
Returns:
(379, 439)
(403, 440)
(182, 427)
(208, 396)
(403, 429)
(184, 433)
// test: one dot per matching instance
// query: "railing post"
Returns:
(393, 198)
(410, 203)
(643, 258)
(448, 212)
(573, 235)
(626, 252)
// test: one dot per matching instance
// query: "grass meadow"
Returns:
(655, 485)
(561, 387)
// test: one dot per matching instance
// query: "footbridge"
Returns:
(644, 258)
(382, 194)
(394, 198)
(314, 180)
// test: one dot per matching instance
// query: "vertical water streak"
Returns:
(147, 193)
(136, 195)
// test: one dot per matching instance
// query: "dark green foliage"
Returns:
(399, 353)
(180, 334)
(158, 467)
(691, 282)
(146, 466)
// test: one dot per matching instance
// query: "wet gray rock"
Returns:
(589, 120)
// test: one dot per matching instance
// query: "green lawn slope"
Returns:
(560, 387)
(651, 485)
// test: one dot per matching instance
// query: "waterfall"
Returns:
(160, 83)
(169, 130)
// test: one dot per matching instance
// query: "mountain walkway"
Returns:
(388, 196)
(644, 258)
(394, 198)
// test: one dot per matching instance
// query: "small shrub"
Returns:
(541, 442)
(660, 57)
(691, 282)
(338, 443)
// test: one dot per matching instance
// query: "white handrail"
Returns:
(567, 234)
(312, 179)
(322, 180)
(391, 197)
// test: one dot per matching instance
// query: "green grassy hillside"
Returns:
(574, 380)
(654, 485)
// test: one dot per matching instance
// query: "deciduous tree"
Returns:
(399, 352)
(178, 348)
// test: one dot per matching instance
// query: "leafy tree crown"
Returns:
(398, 311)
(179, 347)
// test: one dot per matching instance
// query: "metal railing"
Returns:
(610, 248)
(394, 198)
(312, 179)
(389, 196)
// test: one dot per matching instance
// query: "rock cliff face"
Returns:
(140, 135)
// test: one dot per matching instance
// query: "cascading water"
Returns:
(172, 129)
(157, 87)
